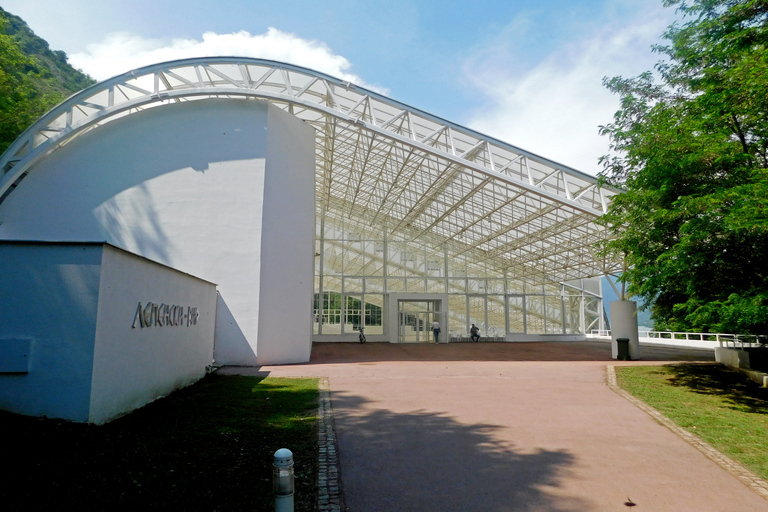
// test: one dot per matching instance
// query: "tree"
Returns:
(33, 78)
(691, 150)
(19, 101)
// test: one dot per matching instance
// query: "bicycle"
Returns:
(361, 336)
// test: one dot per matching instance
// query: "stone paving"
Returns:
(507, 426)
(330, 497)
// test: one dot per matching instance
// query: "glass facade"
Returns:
(356, 267)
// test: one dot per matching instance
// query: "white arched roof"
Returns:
(378, 162)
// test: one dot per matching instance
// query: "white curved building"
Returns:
(315, 206)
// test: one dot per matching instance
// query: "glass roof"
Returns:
(378, 163)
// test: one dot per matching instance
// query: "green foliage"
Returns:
(33, 79)
(692, 154)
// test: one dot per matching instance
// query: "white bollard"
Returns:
(282, 480)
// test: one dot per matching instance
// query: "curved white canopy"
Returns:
(378, 162)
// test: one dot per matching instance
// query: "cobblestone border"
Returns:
(745, 475)
(329, 495)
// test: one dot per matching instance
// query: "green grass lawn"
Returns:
(722, 406)
(206, 447)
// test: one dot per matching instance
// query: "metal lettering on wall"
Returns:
(164, 315)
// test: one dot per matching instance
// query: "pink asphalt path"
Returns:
(506, 427)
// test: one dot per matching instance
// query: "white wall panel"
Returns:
(183, 184)
(133, 365)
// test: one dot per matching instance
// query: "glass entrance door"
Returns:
(415, 319)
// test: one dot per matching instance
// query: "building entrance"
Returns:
(415, 320)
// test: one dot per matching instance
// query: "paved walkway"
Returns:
(506, 427)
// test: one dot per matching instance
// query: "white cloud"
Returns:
(123, 52)
(555, 108)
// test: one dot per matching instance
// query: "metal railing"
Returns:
(724, 339)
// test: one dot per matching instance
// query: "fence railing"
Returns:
(724, 339)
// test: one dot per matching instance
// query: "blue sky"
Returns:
(527, 72)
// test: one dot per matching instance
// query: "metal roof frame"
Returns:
(378, 162)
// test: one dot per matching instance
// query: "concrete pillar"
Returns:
(624, 325)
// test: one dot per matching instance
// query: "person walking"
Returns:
(474, 333)
(436, 330)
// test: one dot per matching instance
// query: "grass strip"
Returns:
(722, 406)
(205, 447)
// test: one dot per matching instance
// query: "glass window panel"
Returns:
(331, 321)
(457, 267)
(554, 315)
(592, 311)
(374, 284)
(354, 259)
(435, 266)
(332, 258)
(516, 313)
(331, 284)
(477, 313)
(495, 286)
(457, 315)
(372, 268)
(316, 313)
(415, 285)
(318, 250)
(515, 286)
(374, 307)
(457, 286)
(534, 314)
(374, 260)
(475, 285)
(573, 315)
(352, 314)
(395, 284)
(592, 285)
(435, 285)
(497, 322)
(395, 266)
(353, 284)
(331, 232)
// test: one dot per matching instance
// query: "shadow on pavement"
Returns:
(324, 353)
(422, 461)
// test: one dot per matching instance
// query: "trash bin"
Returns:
(623, 344)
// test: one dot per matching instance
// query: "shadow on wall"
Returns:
(426, 461)
(229, 343)
(51, 298)
(153, 244)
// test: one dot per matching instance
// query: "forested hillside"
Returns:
(33, 78)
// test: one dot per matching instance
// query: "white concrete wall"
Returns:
(133, 365)
(287, 241)
(624, 325)
(49, 295)
(75, 304)
(732, 357)
(183, 184)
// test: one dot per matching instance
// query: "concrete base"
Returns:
(624, 325)
(739, 360)
(732, 357)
